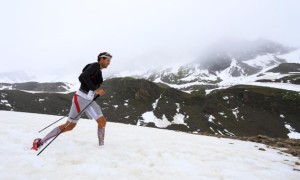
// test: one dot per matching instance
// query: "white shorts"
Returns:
(93, 111)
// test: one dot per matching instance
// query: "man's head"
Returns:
(104, 59)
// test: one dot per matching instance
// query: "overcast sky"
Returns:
(64, 35)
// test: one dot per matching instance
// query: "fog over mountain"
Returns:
(55, 38)
(215, 57)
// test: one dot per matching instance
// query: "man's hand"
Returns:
(101, 92)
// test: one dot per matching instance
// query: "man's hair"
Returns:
(104, 55)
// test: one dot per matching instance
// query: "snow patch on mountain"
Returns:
(211, 119)
(178, 117)
(286, 86)
(293, 133)
(292, 57)
(263, 61)
(9, 87)
(154, 105)
(150, 117)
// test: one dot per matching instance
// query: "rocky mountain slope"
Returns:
(236, 111)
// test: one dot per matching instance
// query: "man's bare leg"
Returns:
(69, 126)
(101, 129)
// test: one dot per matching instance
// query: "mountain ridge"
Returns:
(236, 111)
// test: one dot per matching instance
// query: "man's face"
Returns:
(104, 63)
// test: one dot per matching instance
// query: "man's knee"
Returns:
(68, 126)
(71, 126)
(101, 122)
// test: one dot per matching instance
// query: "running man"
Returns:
(90, 79)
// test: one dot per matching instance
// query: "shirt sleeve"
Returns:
(86, 76)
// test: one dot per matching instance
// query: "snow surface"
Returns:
(5, 102)
(180, 86)
(154, 105)
(178, 117)
(293, 133)
(150, 117)
(235, 112)
(292, 57)
(6, 87)
(277, 85)
(211, 119)
(286, 86)
(263, 61)
(132, 152)
(164, 122)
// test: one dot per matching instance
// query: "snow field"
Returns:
(132, 152)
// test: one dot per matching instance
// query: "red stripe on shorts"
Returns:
(76, 103)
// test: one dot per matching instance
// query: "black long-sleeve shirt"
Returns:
(91, 77)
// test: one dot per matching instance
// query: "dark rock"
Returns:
(262, 137)
(286, 68)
